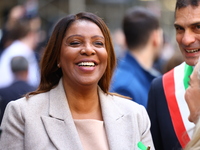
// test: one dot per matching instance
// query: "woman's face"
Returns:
(192, 95)
(83, 57)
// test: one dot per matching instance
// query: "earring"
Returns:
(58, 65)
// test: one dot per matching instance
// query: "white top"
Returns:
(92, 134)
(17, 48)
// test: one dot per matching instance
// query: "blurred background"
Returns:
(25, 27)
(111, 11)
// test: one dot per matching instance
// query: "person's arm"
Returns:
(12, 126)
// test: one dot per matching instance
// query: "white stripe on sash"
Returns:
(179, 90)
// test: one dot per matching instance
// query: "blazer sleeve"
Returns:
(12, 125)
(146, 137)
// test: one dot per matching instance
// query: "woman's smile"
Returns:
(83, 53)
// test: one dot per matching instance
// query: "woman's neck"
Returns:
(84, 104)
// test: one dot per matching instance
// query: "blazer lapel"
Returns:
(59, 124)
(117, 129)
(61, 129)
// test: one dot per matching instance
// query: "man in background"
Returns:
(144, 40)
(19, 87)
(27, 33)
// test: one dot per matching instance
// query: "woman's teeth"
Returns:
(87, 64)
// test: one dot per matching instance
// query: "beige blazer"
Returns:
(44, 122)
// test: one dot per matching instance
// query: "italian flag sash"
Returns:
(174, 92)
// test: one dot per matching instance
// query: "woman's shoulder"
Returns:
(127, 103)
(30, 103)
(130, 108)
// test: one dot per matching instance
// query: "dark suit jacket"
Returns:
(15, 91)
(162, 130)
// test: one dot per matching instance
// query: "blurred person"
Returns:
(26, 30)
(8, 30)
(192, 96)
(167, 108)
(194, 144)
(167, 52)
(19, 67)
(119, 43)
(16, 13)
(72, 108)
(134, 71)
(175, 60)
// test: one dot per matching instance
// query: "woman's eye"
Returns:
(99, 43)
(74, 43)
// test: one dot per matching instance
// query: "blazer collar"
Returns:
(60, 124)
(116, 123)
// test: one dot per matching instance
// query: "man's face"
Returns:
(187, 25)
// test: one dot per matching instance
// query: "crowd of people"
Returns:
(78, 94)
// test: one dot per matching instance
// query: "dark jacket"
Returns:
(15, 91)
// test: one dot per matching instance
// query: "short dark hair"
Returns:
(185, 3)
(138, 23)
(18, 64)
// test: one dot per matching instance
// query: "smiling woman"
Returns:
(72, 108)
(81, 49)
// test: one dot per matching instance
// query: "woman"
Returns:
(72, 109)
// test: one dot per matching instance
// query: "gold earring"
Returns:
(58, 65)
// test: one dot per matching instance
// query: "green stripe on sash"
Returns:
(187, 72)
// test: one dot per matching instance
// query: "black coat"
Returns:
(15, 91)
(162, 130)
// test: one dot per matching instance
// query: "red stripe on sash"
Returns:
(169, 89)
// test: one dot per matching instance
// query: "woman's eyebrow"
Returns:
(74, 35)
(98, 36)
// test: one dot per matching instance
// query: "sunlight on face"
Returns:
(83, 56)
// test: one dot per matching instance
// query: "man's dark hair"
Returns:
(138, 23)
(185, 3)
(19, 63)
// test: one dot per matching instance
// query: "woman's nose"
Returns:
(87, 50)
